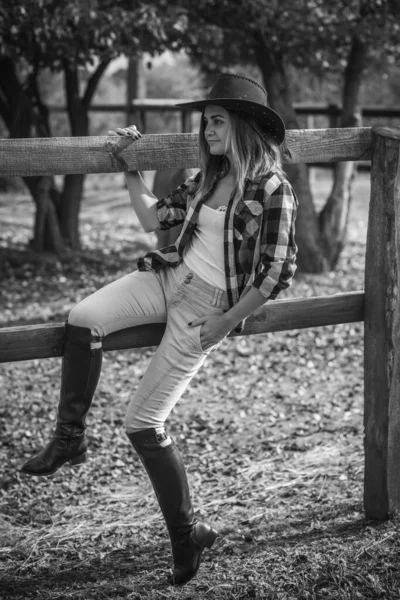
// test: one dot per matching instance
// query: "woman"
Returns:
(235, 251)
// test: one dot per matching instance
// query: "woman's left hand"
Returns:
(131, 131)
(213, 329)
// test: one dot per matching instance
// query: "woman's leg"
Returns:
(132, 300)
(164, 466)
(135, 299)
(171, 369)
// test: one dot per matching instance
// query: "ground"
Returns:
(271, 431)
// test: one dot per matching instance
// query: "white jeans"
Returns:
(174, 296)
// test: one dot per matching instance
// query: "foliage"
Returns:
(309, 34)
(53, 33)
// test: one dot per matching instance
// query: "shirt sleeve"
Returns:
(171, 211)
(278, 247)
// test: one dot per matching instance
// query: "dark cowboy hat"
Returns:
(245, 97)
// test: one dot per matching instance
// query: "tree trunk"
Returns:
(308, 237)
(135, 89)
(333, 219)
(47, 235)
(69, 209)
(23, 113)
(77, 107)
(334, 216)
(73, 184)
(57, 214)
(321, 238)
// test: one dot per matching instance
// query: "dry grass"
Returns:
(271, 431)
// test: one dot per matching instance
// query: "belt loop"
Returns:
(216, 301)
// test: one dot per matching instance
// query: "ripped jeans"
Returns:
(174, 296)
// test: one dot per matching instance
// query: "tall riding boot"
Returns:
(81, 366)
(164, 465)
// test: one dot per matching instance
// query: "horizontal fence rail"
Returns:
(45, 341)
(67, 155)
(169, 105)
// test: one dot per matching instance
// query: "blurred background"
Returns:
(83, 68)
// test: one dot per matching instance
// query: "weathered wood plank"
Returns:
(45, 341)
(59, 156)
(382, 330)
(328, 145)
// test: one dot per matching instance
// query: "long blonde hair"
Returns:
(252, 152)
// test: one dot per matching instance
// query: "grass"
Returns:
(271, 431)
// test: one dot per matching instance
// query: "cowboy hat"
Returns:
(245, 97)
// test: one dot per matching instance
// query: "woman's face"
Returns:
(216, 126)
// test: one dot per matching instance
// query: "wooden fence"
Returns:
(140, 108)
(377, 306)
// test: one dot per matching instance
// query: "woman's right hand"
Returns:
(131, 131)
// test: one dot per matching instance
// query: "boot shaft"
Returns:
(164, 465)
(80, 374)
(81, 368)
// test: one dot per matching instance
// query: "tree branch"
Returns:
(41, 111)
(5, 111)
(93, 82)
(71, 85)
(11, 87)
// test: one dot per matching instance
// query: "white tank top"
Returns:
(205, 253)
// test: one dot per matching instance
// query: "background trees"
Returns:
(77, 39)
(282, 43)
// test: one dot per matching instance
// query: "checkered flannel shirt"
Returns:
(259, 244)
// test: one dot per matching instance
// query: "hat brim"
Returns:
(268, 118)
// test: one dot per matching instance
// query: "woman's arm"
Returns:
(155, 213)
(278, 248)
(248, 303)
(143, 201)
(216, 327)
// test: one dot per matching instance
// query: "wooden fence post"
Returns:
(135, 90)
(186, 121)
(382, 329)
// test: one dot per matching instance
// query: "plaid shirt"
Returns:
(259, 245)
